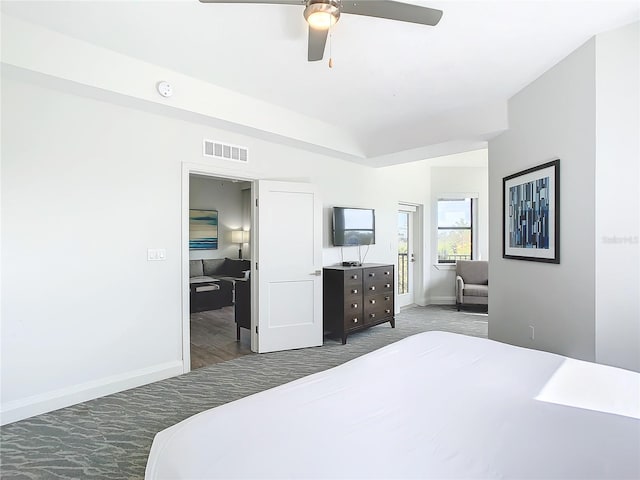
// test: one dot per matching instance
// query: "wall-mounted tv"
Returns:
(354, 226)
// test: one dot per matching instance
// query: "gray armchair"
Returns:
(472, 282)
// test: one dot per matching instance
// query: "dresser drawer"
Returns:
(353, 321)
(352, 278)
(378, 280)
(353, 306)
(353, 291)
(378, 307)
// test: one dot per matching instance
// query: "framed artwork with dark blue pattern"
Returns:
(531, 214)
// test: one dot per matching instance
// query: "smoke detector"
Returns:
(165, 89)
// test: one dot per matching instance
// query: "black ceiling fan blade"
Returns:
(317, 42)
(393, 11)
(274, 2)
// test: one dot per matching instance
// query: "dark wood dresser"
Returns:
(355, 298)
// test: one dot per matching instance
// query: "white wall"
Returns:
(618, 197)
(86, 188)
(34, 48)
(583, 111)
(89, 185)
(464, 181)
(225, 196)
(410, 183)
(553, 117)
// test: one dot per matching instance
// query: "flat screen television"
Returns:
(354, 226)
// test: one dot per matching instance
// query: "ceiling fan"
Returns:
(323, 14)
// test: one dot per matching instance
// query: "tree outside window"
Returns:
(455, 230)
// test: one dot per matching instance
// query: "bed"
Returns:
(434, 405)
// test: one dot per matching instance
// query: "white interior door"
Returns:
(406, 254)
(289, 258)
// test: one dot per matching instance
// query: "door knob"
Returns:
(317, 273)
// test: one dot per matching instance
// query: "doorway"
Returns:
(272, 324)
(223, 302)
(408, 239)
(219, 232)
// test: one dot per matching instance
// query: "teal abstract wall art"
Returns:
(203, 229)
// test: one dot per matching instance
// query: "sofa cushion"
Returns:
(195, 268)
(207, 287)
(236, 268)
(473, 290)
(214, 267)
(201, 279)
(473, 271)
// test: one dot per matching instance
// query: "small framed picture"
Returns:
(203, 229)
(531, 214)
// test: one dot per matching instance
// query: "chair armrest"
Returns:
(459, 288)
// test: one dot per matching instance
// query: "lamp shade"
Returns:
(237, 236)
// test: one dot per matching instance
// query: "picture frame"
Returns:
(531, 214)
(203, 229)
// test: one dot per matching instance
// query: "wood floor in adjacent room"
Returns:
(213, 338)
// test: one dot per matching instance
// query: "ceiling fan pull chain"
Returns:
(330, 45)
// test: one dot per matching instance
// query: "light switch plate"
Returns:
(155, 254)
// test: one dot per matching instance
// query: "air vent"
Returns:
(211, 148)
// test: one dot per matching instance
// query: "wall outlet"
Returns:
(532, 332)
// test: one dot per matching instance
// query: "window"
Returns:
(455, 230)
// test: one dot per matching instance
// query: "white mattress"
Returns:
(434, 405)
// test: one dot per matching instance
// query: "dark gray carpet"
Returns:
(110, 437)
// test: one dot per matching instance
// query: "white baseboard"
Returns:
(443, 301)
(46, 402)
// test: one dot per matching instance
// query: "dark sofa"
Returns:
(212, 282)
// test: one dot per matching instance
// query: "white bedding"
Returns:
(434, 405)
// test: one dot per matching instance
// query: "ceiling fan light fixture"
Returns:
(322, 16)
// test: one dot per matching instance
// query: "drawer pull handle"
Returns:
(387, 311)
(354, 305)
(354, 277)
(387, 273)
(372, 287)
(372, 274)
(387, 285)
(355, 320)
(372, 315)
(387, 298)
(372, 302)
(355, 290)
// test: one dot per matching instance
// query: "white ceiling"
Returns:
(394, 86)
